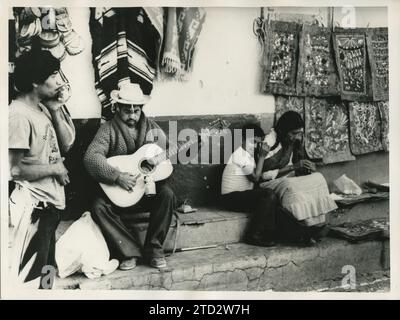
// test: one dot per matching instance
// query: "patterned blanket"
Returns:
(125, 47)
(183, 28)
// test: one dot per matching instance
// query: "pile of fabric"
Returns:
(373, 229)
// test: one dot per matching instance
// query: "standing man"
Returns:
(40, 130)
(123, 135)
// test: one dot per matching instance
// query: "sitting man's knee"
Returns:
(98, 206)
(165, 191)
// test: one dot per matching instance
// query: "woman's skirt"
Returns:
(306, 197)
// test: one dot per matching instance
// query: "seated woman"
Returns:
(302, 192)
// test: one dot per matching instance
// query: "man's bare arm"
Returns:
(20, 169)
(65, 129)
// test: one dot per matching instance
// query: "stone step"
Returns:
(241, 267)
(212, 226)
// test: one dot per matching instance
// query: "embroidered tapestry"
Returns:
(288, 103)
(315, 115)
(336, 138)
(351, 61)
(280, 58)
(365, 127)
(384, 113)
(316, 75)
(377, 44)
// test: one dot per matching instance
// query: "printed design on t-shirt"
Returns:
(54, 151)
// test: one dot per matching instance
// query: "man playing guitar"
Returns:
(129, 130)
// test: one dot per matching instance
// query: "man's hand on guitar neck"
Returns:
(127, 180)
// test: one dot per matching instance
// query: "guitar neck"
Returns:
(172, 151)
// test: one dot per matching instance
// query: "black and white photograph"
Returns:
(206, 149)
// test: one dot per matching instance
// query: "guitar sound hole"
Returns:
(146, 167)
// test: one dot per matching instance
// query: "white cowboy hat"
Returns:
(129, 93)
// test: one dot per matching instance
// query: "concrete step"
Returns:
(241, 267)
(213, 226)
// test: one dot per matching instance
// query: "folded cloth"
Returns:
(378, 186)
(182, 32)
(364, 230)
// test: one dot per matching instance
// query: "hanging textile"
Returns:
(280, 58)
(384, 113)
(326, 130)
(316, 74)
(288, 103)
(336, 138)
(365, 127)
(377, 44)
(315, 115)
(156, 17)
(125, 47)
(351, 61)
(182, 31)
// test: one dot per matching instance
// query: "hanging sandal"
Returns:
(72, 41)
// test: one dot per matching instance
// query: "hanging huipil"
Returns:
(316, 75)
(280, 58)
(365, 127)
(352, 63)
(378, 53)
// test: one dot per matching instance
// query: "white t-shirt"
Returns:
(33, 130)
(240, 164)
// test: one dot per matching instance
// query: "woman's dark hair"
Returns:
(290, 120)
(34, 66)
(255, 128)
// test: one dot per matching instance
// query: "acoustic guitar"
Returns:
(151, 161)
(158, 168)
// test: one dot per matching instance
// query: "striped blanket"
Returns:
(126, 44)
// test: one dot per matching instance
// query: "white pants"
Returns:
(21, 205)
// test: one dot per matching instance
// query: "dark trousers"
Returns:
(123, 243)
(261, 203)
(42, 243)
(268, 217)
